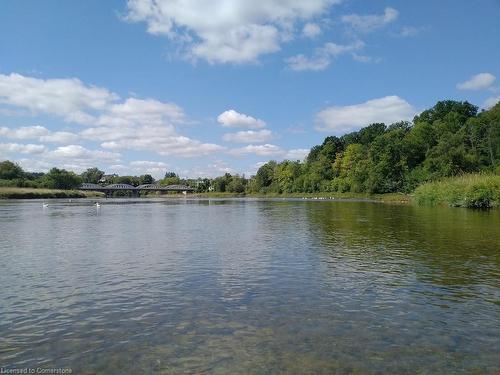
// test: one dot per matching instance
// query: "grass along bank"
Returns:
(389, 198)
(32, 193)
(469, 190)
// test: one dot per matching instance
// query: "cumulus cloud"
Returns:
(146, 125)
(156, 169)
(479, 81)
(233, 119)
(141, 111)
(132, 124)
(322, 57)
(297, 154)
(365, 59)
(39, 133)
(71, 157)
(311, 30)
(344, 119)
(6, 148)
(74, 158)
(410, 31)
(77, 152)
(225, 31)
(260, 150)
(490, 102)
(249, 136)
(370, 22)
(168, 145)
(213, 169)
(68, 98)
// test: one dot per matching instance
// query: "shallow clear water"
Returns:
(249, 287)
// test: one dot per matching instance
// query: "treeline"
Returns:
(12, 175)
(451, 138)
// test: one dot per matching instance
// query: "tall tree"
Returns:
(10, 170)
(92, 175)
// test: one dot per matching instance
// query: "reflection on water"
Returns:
(248, 287)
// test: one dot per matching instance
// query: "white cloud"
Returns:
(22, 148)
(59, 137)
(225, 31)
(39, 133)
(233, 119)
(175, 145)
(141, 111)
(367, 23)
(297, 154)
(365, 59)
(148, 164)
(343, 119)
(479, 81)
(77, 152)
(260, 150)
(214, 169)
(254, 168)
(311, 30)
(322, 57)
(77, 158)
(146, 125)
(490, 102)
(68, 97)
(249, 136)
(71, 157)
(156, 169)
(410, 31)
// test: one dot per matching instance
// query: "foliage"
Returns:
(469, 190)
(449, 139)
(28, 193)
(10, 170)
(92, 175)
(61, 179)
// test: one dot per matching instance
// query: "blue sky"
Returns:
(207, 87)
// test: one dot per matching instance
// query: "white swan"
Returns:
(45, 205)
(97, 204)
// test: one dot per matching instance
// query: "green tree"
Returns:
(146, 179)
(265, 177)
(10, 170)
(61, 179)
(92, 175)
(171, 175)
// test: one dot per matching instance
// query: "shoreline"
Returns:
(15, 193)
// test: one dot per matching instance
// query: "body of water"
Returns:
(248, 287)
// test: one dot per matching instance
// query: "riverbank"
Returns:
(31, 193)
(387, 198)
(469, 190)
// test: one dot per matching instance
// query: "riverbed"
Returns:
(248, 286)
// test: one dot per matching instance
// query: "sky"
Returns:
(207, 87)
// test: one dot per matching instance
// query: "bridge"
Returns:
(110, 189)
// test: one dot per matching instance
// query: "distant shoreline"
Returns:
(33, 193)
(477, 190)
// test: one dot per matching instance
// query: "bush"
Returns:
(469, 190)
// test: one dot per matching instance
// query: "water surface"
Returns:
(249, 287)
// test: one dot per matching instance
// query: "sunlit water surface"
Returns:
(249, 287)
